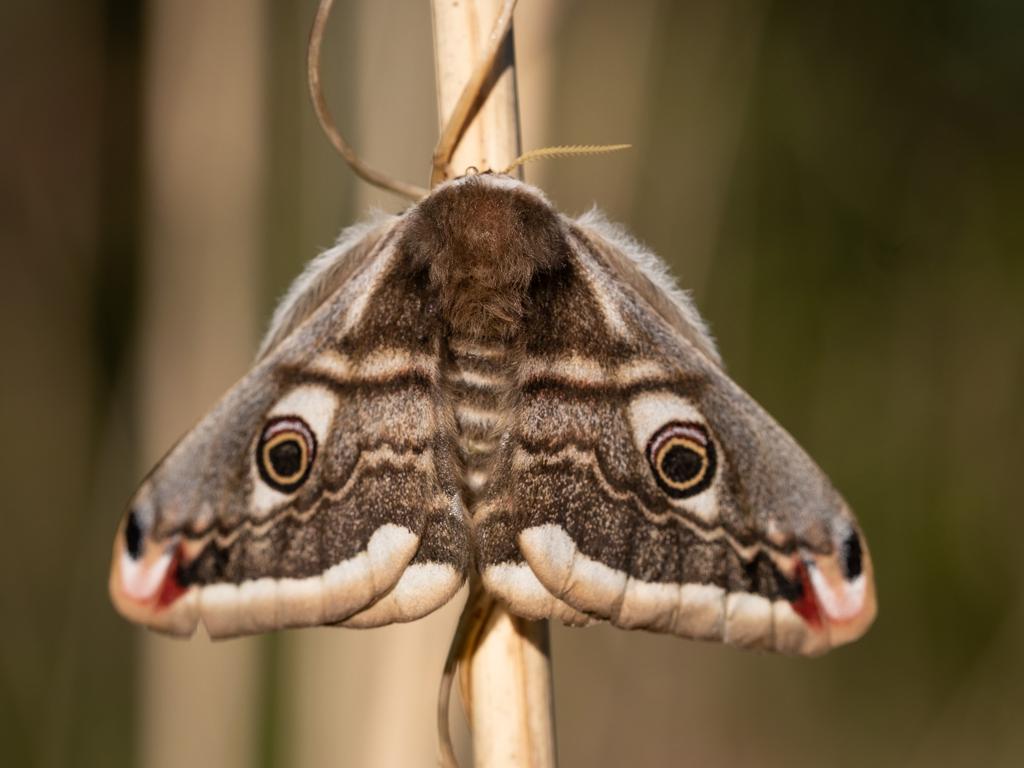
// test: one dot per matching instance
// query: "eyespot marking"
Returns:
(683, 459)
(285, 453)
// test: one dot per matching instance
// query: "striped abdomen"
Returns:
(478, 378)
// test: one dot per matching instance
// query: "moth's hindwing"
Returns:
(319, 490)
(640, 485)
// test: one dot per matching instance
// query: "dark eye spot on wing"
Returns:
(852, 557)
(681, 464)
(286, 458)
(285, 453)
(682, 459)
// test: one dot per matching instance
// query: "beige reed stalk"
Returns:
(507, 675)
(204, 192)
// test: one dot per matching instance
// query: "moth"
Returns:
(483, 386)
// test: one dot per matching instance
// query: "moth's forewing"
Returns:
(306, 494)
(638, 484)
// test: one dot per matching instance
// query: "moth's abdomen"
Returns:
(485, 242)
(478, 378)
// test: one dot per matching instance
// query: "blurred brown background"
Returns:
(839, 183)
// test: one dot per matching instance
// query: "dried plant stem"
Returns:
(507, 684)
(506, 663)
(477, 106)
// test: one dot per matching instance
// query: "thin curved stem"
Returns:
(474, 615)
(323, 115)
(463, 110)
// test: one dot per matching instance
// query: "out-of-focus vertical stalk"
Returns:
(204, 171)
(509, 675)
(366, 697)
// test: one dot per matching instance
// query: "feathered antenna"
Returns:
(563, 151)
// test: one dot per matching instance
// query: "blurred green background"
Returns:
(840, 184)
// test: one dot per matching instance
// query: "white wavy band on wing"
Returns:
(699, 611)
(421, 589)
(516, 585)
(258, 605)
(264, 604)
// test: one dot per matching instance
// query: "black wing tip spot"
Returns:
(853, 557)
(133, 535)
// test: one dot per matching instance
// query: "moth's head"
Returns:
(484, 239)
(726, 469)
(256, 456)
